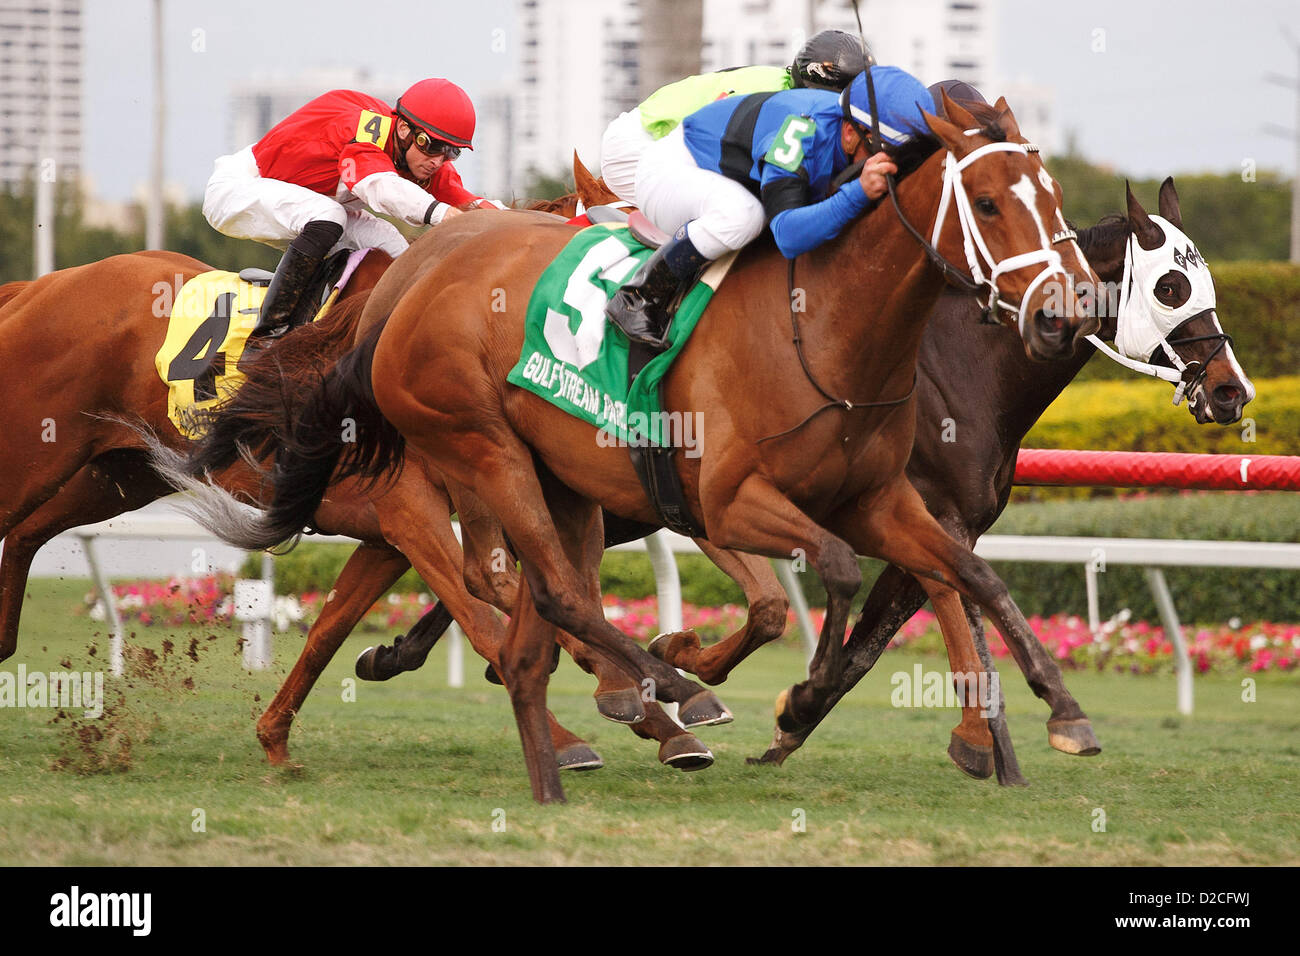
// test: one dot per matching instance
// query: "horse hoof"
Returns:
(678, 648)
(373, 665)
(491, 677)
(976, 760)
(685, 752)
(704, 710)
(578, 756)
(786, 720)
(1073, 737)
(621, 706)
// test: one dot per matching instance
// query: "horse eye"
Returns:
(986, 206)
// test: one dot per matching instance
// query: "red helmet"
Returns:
(440, 108)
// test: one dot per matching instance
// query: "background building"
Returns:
(582, 62)
(40, 55)
(262, 100)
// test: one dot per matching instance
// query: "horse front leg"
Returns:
(893, 524)
(764, 621)
(893, 599)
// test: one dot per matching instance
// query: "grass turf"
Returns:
(415, 772)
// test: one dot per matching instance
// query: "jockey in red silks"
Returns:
(304, 184)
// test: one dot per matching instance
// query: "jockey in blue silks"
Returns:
(744, 161)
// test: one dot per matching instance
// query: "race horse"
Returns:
(83, 460)
(967, 483)
(825, 479)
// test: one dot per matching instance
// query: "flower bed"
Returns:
(1126, 646)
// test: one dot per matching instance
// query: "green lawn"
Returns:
(414, 772)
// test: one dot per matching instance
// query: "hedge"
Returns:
(1258, 304)
(1139, 415)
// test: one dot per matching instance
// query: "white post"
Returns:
(1169, 617)
(455, 656)
(790, 581)
(668, 588)
(116, 649)
(253, 601)
(1094, 604)
(668, 583)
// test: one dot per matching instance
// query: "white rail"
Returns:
(1094, 554)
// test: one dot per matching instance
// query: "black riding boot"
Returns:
(641, 308)
(284, 304)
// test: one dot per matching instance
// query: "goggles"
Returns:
(435, 147)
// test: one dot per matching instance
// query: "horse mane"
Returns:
(552, 206)
(1108, 229)
(254, 421)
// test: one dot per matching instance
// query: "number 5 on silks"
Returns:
(610, 260)
(786, 150)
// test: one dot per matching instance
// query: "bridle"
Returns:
(1187, 377)
(953, 194)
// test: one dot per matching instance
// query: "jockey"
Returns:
(769, 157)
(828, 61)
(303, 184)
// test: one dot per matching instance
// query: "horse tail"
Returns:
(254, 421)
(338, 432)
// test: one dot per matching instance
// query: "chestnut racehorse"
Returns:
(61, 326)
(826, 485)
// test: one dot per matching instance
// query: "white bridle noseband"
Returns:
(954, 193)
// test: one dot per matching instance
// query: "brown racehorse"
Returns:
(96, 467)
(966, 484)
(829, 486)
(109, 475)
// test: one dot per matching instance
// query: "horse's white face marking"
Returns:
(1027, 193)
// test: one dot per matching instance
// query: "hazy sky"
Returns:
(1179, 87)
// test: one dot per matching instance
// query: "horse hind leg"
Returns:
(104, 488)
(370, 571)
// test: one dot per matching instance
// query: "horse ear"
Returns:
(1007, 119)
(948, 134)
(583, 182)
(1169, 203)
(1149, 235)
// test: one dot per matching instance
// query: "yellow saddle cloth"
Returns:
(199, 359)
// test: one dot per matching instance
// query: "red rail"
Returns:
(1137, 469)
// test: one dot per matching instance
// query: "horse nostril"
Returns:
(1227, 394)
(1050, 328)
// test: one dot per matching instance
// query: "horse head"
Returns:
(1165, 313)
(1009, 228)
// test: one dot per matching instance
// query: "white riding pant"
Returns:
(241, 203)
(621, 147)
(672, 190)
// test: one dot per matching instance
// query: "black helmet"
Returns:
(829, 61)
(959, 91)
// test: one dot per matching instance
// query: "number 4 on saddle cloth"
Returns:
(208, 329)
(570, 359)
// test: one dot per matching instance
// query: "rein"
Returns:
(832, 401)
